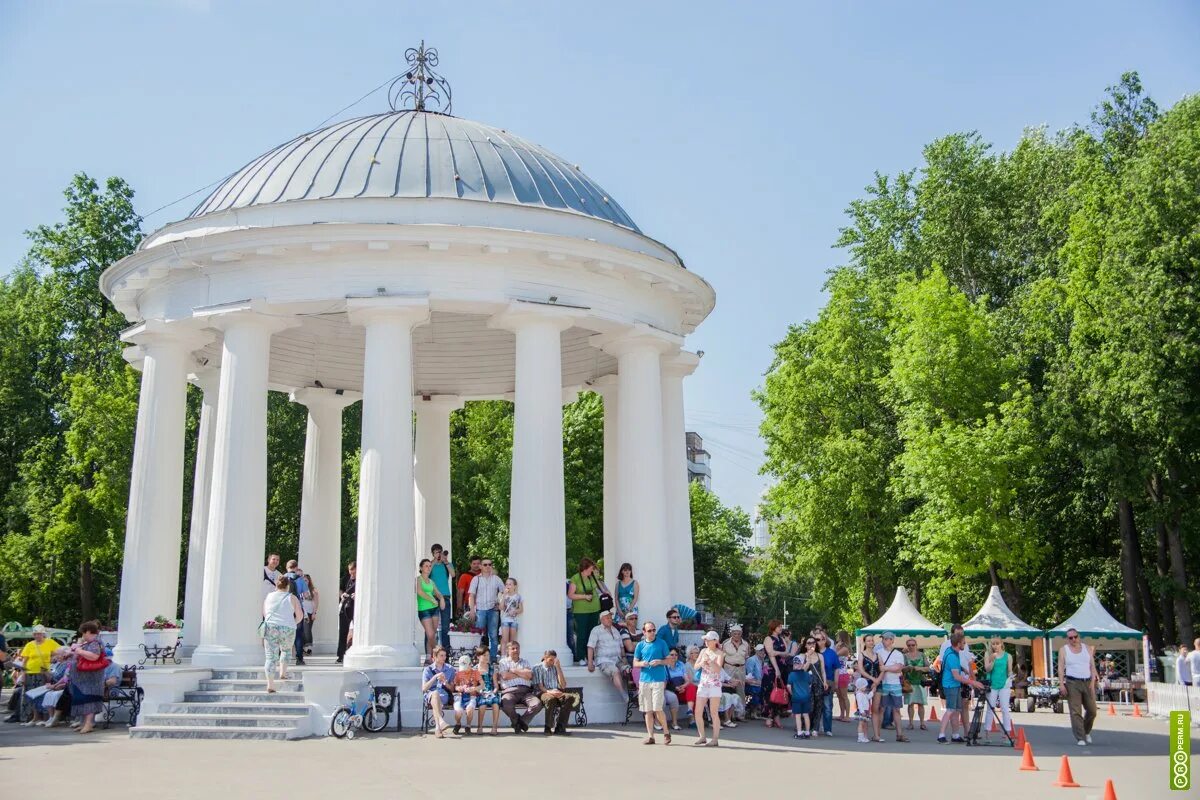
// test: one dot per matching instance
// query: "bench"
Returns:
(126, 694)
(580, 710)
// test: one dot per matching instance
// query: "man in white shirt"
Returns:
(1194, 660)
(606, 650)
(1183, 668)
(1077, 681)
(271, 574)
(483, 598)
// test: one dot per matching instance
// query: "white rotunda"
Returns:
(416, 261)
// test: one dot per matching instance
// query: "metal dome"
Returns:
(414, 154)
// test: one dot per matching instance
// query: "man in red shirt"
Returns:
(464, 582)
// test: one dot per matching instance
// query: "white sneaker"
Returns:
(1088, 738)
(1081, 743)
(582, 662)
(863, 740)
(30, 723)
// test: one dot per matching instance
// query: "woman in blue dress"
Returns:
(490, 696)
(627, 591)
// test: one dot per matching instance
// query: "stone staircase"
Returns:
(233, 704)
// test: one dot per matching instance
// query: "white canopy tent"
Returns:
(1099, 629)
(903, 619)
(995, 618)
(1097, 626)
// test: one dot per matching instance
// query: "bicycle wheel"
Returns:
(376, 719)
(339, 726)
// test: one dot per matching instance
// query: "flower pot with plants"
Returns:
(463, 635)
(160, 632)
(108, 635)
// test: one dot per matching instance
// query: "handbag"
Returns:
(606, 600)
(778, 695)
(84, 665)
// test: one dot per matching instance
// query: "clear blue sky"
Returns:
(735, 132)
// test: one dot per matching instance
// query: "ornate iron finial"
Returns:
(421, 86)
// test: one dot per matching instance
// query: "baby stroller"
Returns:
(979, 715)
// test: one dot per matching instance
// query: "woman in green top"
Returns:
(998, 665)
(585, 605)
(430, 603)
(916, 670)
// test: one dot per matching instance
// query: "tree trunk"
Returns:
(994, 573)
(917, 598)
(1183, 610)
(1131, 562)
(865, 609)
(1162, 565)
(881, 599)
(87, 597)
(1012, 594)
(955, 610)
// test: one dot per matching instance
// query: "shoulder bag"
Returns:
(606, 600)
(86, 665)
(778, 695)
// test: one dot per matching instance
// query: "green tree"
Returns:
(720, 551)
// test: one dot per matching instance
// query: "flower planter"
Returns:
(690, 638)
(460, 640)
(109, 638)
(160, 637)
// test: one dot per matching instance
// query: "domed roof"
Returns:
(413, 154)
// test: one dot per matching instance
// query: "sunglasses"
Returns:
(1072, 638)
(486, 564)
(673, 616)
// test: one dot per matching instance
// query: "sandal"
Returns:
(902, 739)
(712, 743)
(923, 727)
(700, 743)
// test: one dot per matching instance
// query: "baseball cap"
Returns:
(712, 636)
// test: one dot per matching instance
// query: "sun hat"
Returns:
(735, 627)
(606, 612)
(39, 628)
(758, 647)
(464, 662)
(712, 636)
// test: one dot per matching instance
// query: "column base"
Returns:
(128, 653)
(381, 656)
(224, 656)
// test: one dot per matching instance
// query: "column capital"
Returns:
(636, 337)
(680, 364)
(412, 310)
(207, 379)
(181, 336)
(249, 313)
(521, 314)
(316, 398)
(605, 385)
(437, 402)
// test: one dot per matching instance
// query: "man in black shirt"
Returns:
(346, 610)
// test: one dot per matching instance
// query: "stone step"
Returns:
(246, 674)
(233, 709)
(230, 696)
(231, 684)
(211, 732)
(185, 720)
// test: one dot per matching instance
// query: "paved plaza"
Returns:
(40, 763)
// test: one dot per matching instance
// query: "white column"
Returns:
(537, 515)
(321, 505)
(606, 387)
(385, 605)
(675, 482)
(209, 382)
(433, 473)
(154, 526)
(237, 516)
(641, 514)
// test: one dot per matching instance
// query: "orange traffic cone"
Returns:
(1109, 792)
(1065, 778)
(1019, 742)
(933, 717)
(1137, 710)
(1027, 764)
(993, 729)
(1112, 710)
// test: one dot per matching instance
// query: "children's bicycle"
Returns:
(372, 712)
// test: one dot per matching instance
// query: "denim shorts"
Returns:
(509, 623)
(953, 697)
(428, 613)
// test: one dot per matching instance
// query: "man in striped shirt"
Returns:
(549, 683)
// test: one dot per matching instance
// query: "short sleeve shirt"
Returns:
(892, 659)
(464, 583)
(669, 636)
(37, 656)
(652, 651)
(589, 585)
(507, 664)
(441, 578)
(754, 668)
(950, 663)
(607, 643)
(800, 681)
(486, 589)
(1194, 663)
(832, 662)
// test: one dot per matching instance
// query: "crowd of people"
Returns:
(62, 684)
